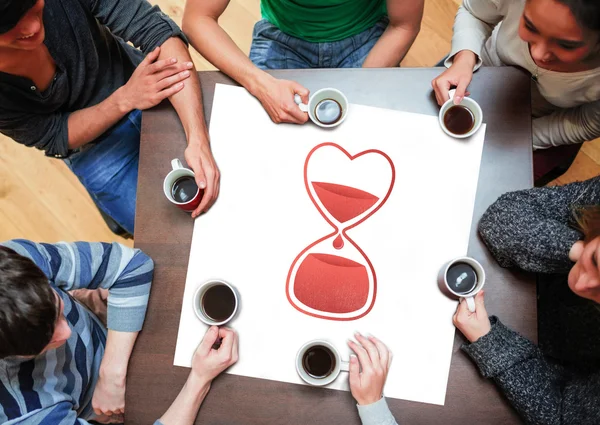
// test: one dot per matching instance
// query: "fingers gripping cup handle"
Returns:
(470, 304)
(451, 93)
(176, 163)
(303, 106)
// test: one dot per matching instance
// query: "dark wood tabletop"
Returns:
(165, 233)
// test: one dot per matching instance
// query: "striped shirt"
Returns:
(56, 387)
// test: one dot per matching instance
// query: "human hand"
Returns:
(584, 277)
(375, 359)
(200, 159)
(459, 75)
(207, 362)
(108, 400)
(576, 251)
(153, 81)
(277, 97)
(472, 325)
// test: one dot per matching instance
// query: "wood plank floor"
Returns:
(41, 200)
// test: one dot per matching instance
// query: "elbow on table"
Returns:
(498, 225)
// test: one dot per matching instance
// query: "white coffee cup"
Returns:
(468, 103)
(316, 98)
(199, 295)
(340, 365)
(178, 171)
(468, 296)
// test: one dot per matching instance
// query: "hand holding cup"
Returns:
(207, 362)
(473, 325)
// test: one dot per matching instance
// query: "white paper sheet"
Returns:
(264, 218)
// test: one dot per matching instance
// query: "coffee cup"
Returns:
(327, 108)
(318, 363)
(216, 302)
(180, 187)
(462, 277)
(462, 120)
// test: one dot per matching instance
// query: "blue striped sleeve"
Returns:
(58, 414)
(125, 272)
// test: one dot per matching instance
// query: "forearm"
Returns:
(532, 228)
(377, 413)
(86, 125)
(187, 102)
(567, 126)
(117, 353)
(218, 48)
(518, 368)
(185, 408)
(391, 47)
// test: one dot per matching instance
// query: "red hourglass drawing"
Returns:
(333, 278)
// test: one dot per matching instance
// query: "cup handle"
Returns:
(470, 304)
(344, 366)
(303, 106)
(451, 93)
(175, 164)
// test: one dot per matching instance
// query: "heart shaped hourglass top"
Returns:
(333, 278)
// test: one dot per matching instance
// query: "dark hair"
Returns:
(29, 310)
(586, 12)
(588, 221)
(11, 12)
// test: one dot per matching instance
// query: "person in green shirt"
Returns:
(304, 34)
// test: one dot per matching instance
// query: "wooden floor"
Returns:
(41, 200)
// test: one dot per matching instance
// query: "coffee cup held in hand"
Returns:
(216, 302)
(462, 120)
(462, 277)
(180, 187)
(326, 107)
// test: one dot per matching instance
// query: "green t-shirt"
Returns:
(323, 20)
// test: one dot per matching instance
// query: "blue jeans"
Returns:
(108, 169)
(273, 49)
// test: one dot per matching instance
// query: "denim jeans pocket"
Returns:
(261, 26)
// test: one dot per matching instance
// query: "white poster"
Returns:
(328, 232)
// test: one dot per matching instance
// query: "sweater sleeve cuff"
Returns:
(377, 413)
(464, 43)
(499, 349)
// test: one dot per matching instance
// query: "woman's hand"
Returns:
(374, 358)
(472, 325)
(458, 75)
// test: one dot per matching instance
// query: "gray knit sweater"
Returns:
(559, 381)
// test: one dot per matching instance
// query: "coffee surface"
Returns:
(328, 111)
(461, 278)
(218, 302)
(184, 189)
(459, 119)
(318, 361)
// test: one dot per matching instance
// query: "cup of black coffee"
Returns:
(462, 277)
(318, 363)
(460, 121)
(216, 302)
(180, 187)
(326, 107)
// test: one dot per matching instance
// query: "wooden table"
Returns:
(165, 234)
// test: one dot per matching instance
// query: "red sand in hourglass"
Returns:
(333, 286)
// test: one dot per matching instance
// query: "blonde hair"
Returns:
(588, 221)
